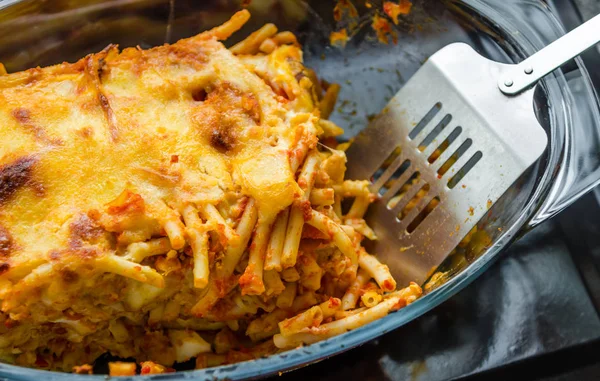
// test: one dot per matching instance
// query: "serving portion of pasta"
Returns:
(182, 202)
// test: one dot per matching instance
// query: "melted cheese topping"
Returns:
(119, 121)
(149, 196)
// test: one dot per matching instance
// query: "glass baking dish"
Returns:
(41, 33)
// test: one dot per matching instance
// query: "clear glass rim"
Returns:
(557, 90)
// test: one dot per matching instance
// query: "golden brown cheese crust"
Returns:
(147, 197)
(108, 151)
(82, 133)
(179, 123)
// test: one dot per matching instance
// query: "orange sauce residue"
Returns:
(339, 38)
(344, 6)
(384, 30)
(346, 14)
(393, 10)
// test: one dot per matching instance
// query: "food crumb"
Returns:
(339, 38)
(344, 6)
(384, 30)
(394, 10)
(83, 369)
(119, 368)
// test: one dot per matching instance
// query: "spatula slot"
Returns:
(424, 213)
(455, 156)
(414, 201)
(425, 121)
(395, 176)
(465, 169)
(444, 146)
(396, 194)
(389, 161)
(435, 132)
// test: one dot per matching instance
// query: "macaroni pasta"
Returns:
(174, 203)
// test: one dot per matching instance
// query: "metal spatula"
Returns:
(456, 136)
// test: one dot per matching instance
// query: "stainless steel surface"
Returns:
(503, 132)
(521, 76)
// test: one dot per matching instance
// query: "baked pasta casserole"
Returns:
(179, 203)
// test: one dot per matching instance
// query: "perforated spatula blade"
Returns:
(447, 146)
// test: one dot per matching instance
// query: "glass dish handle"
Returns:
(579, 168)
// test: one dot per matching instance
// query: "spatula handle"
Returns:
(520, 77)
